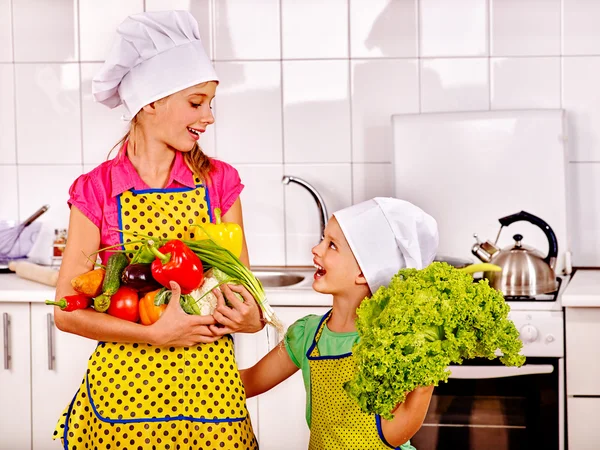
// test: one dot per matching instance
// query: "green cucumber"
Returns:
(114, 268)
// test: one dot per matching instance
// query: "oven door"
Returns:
(487, 406)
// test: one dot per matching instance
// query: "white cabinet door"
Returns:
(584, 433)
(582, 340)
(15, 394)
(282, 410)
(59, 361)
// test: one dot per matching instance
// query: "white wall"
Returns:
(308, 88)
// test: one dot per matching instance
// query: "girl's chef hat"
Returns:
(155, 54)
(386, 235)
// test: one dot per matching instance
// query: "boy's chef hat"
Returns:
(155, 54)
(386, 235)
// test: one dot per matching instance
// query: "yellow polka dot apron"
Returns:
(136, 396)
(337, 422)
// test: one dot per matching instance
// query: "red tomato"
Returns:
(125, 304)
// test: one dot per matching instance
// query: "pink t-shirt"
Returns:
(95, 193)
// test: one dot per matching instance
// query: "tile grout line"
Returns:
(80, 88)
(350, 101)
(489, 51)
(16, 134)
(419, 72)
(282, 106)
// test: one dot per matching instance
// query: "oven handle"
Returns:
(487, 372)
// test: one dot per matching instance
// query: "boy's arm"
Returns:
(408, 417)
(274, 368)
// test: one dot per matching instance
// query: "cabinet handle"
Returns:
(6, 329)
(50, 326)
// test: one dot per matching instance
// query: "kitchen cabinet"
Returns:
(15, 380)
(44, 370)
(278, 416)
(584, 433)
(582, 340)
(59, 361)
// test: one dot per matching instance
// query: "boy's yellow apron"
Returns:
(137, 396)
(337, 422)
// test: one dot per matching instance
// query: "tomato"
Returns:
(124, 304)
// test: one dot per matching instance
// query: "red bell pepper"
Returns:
(72, 302)
(176, 262)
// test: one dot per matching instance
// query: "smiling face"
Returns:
(180, 119)
(337, 272)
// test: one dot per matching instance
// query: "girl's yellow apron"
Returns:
(136, 396)
(337, 422)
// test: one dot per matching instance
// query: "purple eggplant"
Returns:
(139, 277)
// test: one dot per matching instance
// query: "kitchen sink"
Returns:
(281, 277)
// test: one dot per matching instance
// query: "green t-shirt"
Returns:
(299, 338)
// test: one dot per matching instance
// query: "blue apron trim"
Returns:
(165, 191)
(314, 343)
(65, 433)
(119, 213)
(380, 433)
(151, 419)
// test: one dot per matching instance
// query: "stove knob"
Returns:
(528, 334)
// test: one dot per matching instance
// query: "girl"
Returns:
(173, 384)
(363, 247)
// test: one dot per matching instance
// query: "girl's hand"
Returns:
(175, 328)
(243, 317)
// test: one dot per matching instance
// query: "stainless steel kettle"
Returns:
(525, 271)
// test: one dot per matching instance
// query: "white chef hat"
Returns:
(386, 235)
(155, 54)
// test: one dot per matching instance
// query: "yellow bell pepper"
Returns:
(226, 234)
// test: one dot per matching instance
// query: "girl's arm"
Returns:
(234, 214)
(174, 328)
(274, 368)
(408, 417)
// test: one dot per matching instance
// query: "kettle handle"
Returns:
(525, 216)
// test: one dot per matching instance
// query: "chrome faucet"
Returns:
(287, 179)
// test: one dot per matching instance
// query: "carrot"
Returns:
(90, 283)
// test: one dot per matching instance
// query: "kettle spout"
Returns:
(483, 250)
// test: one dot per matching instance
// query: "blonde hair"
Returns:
(198, 162)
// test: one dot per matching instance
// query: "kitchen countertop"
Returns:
(583, 290)
(16, 289)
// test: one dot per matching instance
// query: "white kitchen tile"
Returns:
(581, 34)
(45, 31)
(456, 28)
(262, 204)
(47, 184)
(457, 84)
(102, 127)
(249, 123)
(6, 38)
(522, 83)
(334, 183)
(98, 22)
(48, 114)
(314, 29)
(237, 20)
(385, 28)
(200, 9)
(9, 199)
(316, 111)
(525, 27)
(372, 180)
(584, 223)
(581, 100)
(380, 88)
(8, 154)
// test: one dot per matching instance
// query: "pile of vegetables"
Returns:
(197, 266)
(423, 321)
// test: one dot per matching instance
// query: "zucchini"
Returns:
(114, 268)
(112, 280)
